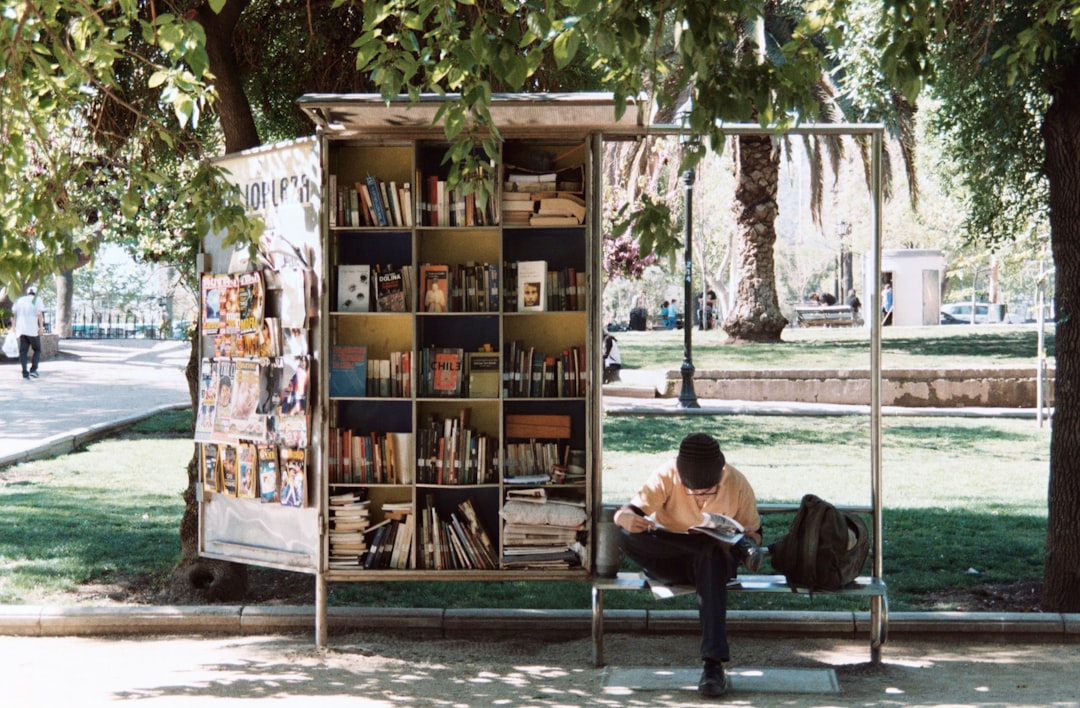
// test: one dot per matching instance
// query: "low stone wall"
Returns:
(953, 388)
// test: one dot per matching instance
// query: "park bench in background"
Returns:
(824, 316)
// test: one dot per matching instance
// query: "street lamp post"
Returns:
(687, 396)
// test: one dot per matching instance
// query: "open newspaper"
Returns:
(721, 527)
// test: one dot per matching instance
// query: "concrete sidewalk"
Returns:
(93, 388)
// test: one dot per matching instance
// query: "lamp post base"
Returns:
(687, 396)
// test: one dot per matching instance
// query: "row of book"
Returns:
(371, 202)
(441, 205)
(469, 287)
(457, 543)
(354, 375)
(354, 457)
(530, 373)
(532, 286)
(255, 471)
(450, 451)
(391, 541)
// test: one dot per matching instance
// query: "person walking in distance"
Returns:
(29, 326)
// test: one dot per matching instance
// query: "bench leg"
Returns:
(598, 626)
(879, 627)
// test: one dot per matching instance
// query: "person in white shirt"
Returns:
(29, 324)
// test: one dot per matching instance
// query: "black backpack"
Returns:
(815, 552)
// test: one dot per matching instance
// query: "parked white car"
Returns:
(960, 313)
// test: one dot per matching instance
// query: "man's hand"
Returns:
(633, 522)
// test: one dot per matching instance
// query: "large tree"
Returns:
(1008, 75)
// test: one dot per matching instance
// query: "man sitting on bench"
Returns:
(653, 533)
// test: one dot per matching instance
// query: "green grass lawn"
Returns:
(956, 492)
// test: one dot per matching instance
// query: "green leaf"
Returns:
(566, 46)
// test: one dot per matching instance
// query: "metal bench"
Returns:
(864, 586)
(824, 316)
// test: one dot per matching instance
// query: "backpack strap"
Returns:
(809, 539)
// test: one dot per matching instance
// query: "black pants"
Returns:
(25, 344)
(683, 559)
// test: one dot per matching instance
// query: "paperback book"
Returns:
(348, 371)
(354, 288)
(532, 285)
(390, 285)
(435, 281)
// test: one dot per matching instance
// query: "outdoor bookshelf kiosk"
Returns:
(423, 425)
(459, 403)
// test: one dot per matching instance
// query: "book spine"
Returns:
(377, 200)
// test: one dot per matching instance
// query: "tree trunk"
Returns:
(755, 315)
(234, 111)
(1061, 134)
(217, 580)
(65, 298)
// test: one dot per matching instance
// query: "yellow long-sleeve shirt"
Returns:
(664, 495)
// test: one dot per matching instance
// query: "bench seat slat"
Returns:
(862, 586)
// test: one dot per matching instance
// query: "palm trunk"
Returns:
(755, 315)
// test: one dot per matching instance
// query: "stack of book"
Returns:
(541, 532)
(348, 522)
(558, 209)
(517, 208)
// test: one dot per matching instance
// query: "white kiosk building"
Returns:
(915, 275)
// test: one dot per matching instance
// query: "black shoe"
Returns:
(713, 683)
(33, 374)
(748, 553)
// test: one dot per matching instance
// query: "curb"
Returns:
(43, 621)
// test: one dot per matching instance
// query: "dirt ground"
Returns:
(384, 670)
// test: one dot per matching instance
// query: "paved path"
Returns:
(93, 386)
(387, 670)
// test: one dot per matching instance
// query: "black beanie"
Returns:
(700, 461)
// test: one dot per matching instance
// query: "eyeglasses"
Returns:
(710, 492)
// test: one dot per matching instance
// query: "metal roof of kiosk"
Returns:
(346, 115)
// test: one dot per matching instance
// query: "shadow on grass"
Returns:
(52, 539)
